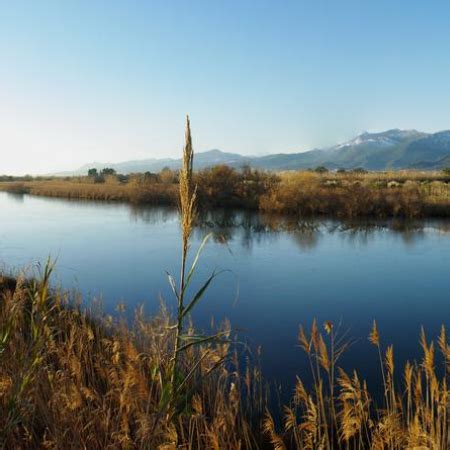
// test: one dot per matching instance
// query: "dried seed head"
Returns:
(408, 376)
(315, 335)
(302, 339)
(187, 188)
(328, 325)
(390, 359)
(374, 337)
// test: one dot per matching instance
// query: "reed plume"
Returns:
(187, 217)
(187, 194)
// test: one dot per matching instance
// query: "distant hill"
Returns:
(391, 149)
(202, 160)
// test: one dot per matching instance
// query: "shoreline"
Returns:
(303, 193)
(68, 361)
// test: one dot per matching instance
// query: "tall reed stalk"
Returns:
(187, 216)
(184, 341)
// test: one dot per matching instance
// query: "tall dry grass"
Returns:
(72, 378)
(339, 411)
(345, 195)
(133, 191)
(183, 342)
(403, 194)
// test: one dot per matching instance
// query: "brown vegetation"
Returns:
(134, 191)
(404, 194)
(339, 411)
(70, 378)
(345, 195)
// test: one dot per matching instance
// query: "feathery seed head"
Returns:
(187, 188)
(374, 337)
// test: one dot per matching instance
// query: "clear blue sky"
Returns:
(112, 80)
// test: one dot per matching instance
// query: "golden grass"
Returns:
(187, 217)
(339, 411)
(396, 194)
(72, 378)
(82, 189)
(346, 195)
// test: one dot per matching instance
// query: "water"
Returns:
(279, 273)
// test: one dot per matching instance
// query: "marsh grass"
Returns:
(72, 378)
(339, 411)
(305, 193)
(405, 194)
(133, 191)
(185, 341)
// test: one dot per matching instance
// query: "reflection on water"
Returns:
(15, 196)
(249, 227)
(151, 215)
(286, 270)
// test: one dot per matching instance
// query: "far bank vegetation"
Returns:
(346, 194)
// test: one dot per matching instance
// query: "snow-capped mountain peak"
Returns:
(380, 140)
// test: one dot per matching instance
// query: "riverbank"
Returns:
(344, 195)
(74, 378)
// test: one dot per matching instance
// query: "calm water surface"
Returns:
(278, 273)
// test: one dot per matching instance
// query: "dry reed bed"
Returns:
(74, 379)
(70, 378)
(347, 195)
(112, 191)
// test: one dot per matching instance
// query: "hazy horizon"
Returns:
(105, 163)
(102, 81)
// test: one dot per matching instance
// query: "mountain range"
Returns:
(391, 149)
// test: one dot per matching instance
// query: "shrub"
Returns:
(360, 170)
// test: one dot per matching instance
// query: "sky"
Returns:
(109, 81)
